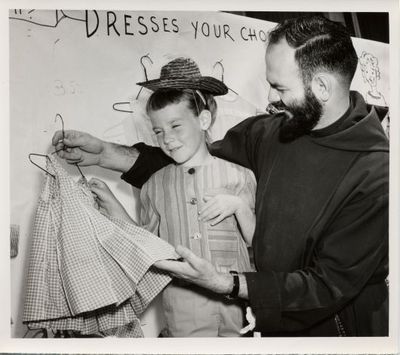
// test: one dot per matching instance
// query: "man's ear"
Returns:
(205, 120)
(321, 86)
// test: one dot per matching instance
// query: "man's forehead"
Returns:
(281, 51)
(280, 59)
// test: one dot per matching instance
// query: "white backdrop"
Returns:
(80, 63)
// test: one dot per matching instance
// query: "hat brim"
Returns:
(203, 83)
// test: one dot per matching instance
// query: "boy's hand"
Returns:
(218, 207)
(104, 196)
(107, 200)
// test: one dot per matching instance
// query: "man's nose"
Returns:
(273, 95)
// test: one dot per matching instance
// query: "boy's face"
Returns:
(179, 133)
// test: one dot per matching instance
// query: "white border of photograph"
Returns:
(209, 346)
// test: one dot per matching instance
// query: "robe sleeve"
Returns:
(150, 160)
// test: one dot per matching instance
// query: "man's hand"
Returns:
(198, 271)
(84, 149)
(78, 147)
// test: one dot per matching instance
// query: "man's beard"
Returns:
(299, 118)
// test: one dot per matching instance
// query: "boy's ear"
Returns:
(205, 120)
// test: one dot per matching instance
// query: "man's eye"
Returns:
(157, 132)
(176, 125)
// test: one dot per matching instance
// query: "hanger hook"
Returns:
(63, 135)
(144, 67)
(222, 68)
(62, 123)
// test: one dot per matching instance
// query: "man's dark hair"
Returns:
(320, 44)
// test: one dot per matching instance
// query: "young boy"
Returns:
(201, 202)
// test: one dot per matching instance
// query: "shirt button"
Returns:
(193, 201)
(196, 236)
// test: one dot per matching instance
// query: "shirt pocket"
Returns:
(224, 249)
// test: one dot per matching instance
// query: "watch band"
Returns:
(235, 290)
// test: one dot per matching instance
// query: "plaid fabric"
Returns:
(107, 320)
(131, 330)
(88, 272)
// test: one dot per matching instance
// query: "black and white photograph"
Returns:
(200, 179)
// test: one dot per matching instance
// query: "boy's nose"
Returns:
(168, 138)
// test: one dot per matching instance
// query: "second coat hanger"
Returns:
(117, 105)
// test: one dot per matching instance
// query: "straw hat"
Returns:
(184, 73)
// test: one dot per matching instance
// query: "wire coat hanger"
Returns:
(144, 67)
(144, 70)
(222, 68)
(122, 103)
(63, 137)
(40, 155)
(62, 131)
(219, 62)
(45, 155)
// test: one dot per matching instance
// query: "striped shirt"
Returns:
(172, 198)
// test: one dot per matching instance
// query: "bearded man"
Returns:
(321, 163)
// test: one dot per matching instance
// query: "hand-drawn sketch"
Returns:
(371, 75)
(42, 18)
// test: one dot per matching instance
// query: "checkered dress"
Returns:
(88, 272)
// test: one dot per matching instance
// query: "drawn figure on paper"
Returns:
(45, 18)
(371, 75)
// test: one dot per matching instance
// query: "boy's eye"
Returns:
(157, 132)
(176, 125)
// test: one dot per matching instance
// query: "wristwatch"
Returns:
(235, 290)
